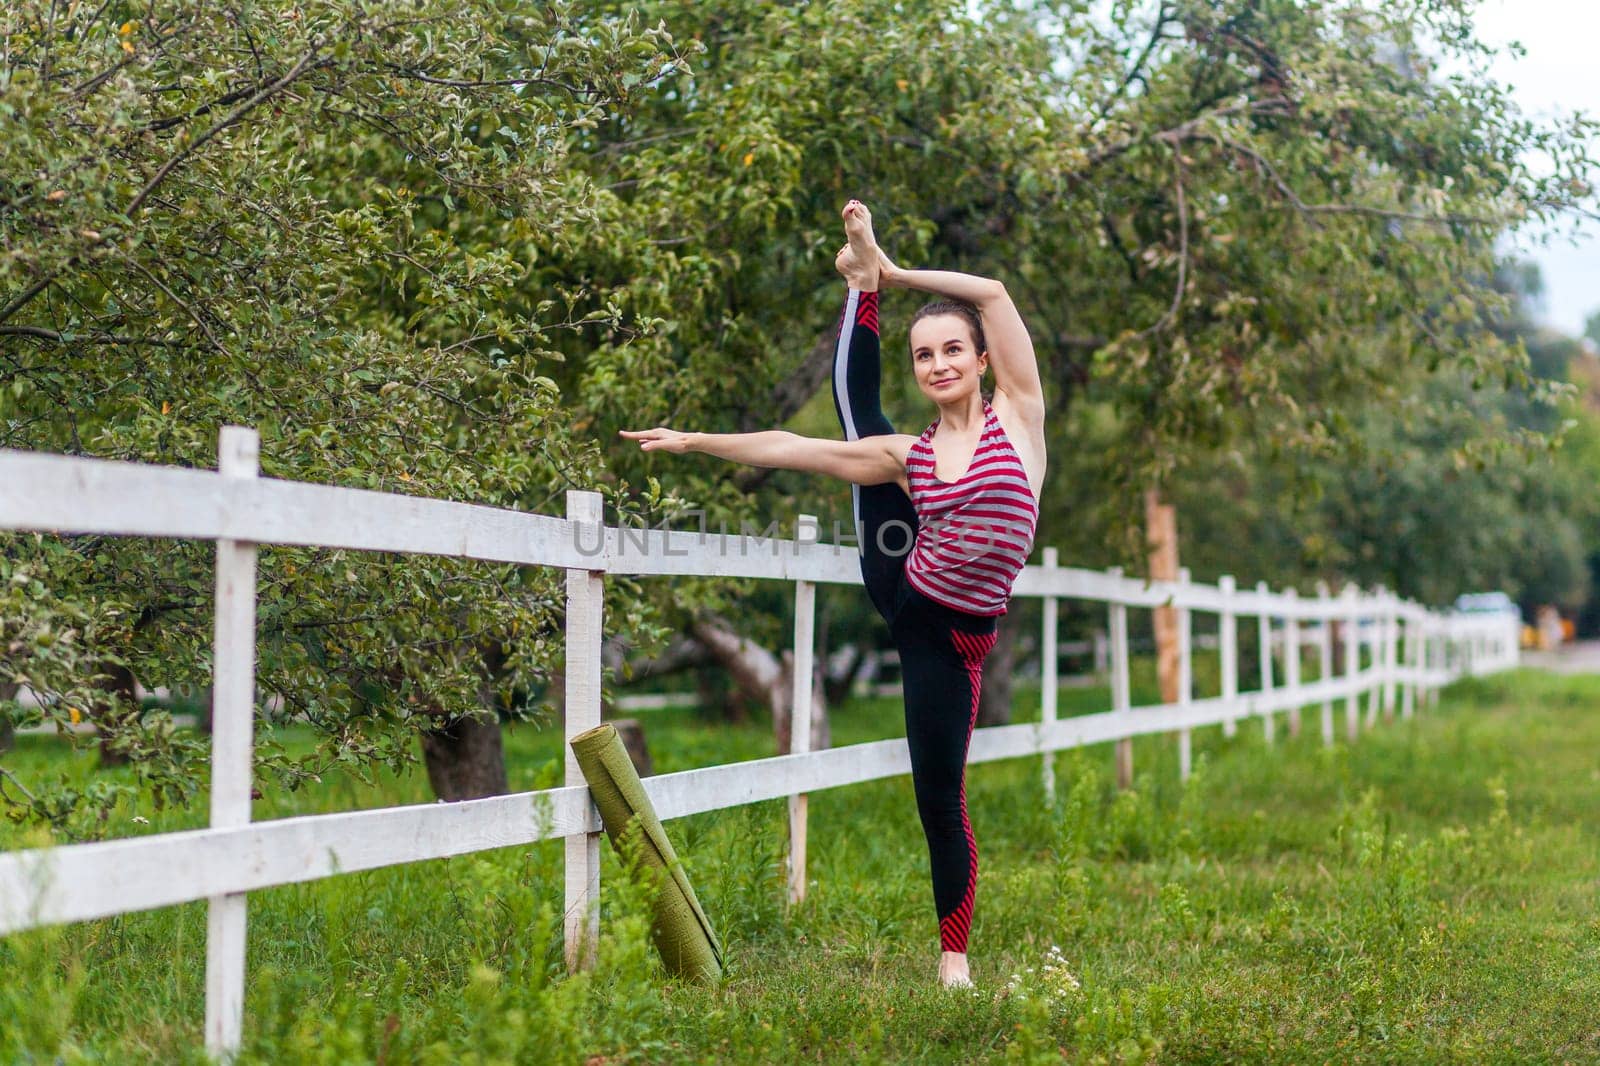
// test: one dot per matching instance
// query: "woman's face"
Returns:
(947, 363)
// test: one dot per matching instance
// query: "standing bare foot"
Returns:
(953, 972)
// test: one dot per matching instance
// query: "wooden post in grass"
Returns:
(805, 617)
(1161, 540)
(1291, 657)
(1049, 682)
(1391, 655)
(1185, 679)
(1375, 653)
(1432, 658)
(233, 681)
(1352, 662)
(585, 621)
(1121, 689)
(1265, 631)
(1228, 652)
(1325, 658)
(1408, 689)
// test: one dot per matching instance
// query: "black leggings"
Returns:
(941, 649)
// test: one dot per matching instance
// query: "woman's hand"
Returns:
(887, 271)
(660, 439)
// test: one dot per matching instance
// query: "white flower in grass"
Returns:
(1060, 983)
(1053, 982)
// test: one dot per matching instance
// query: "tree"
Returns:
(1226, 220)
(1435, 498)
(452, 250)
(317, 220)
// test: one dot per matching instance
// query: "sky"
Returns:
(1556, 76)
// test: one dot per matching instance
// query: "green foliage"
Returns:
(321, 221)
(449, 249)
(1460, 488)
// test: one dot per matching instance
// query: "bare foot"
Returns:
(859, 261)
(953, 972)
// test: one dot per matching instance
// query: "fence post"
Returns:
(1121, 690)
(1408, 690)
(1377, 692)
(1185, 679)
(805, 615)
(1325, 658)
(1447, 657)
(233, 682)
(585, 606)
(1049, 683)
(1264, 628)
(1291, 657)
(1429, 651)
(1102, 654)
(1352, 662)
(1391, 655)
(1453, 655)
(1228, 653)
(1430, 657)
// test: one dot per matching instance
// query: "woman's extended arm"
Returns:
(868, 461)
(1016, 370)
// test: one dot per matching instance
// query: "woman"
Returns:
(944, 521)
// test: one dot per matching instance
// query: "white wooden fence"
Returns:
(1411, 652)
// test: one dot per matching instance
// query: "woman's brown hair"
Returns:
(962, 310)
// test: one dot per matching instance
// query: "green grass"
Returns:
(1426, 896)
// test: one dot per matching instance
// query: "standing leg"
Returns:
(943, 668)
(886, 523)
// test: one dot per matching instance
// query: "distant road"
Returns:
(1580, 657)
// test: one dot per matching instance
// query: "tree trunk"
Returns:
(681, 653)
(465, 759)
(839, 675)
(208, 712)
(113, 713)
(464, 756)
(712, 688)
(994, 700)
(1161, 537)
(8, 728)
(632, 733)
(765, 677)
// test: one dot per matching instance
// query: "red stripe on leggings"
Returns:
(867, 311)
(954, 928)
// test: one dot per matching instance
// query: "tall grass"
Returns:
(1424, 896)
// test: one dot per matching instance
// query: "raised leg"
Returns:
(886, 523)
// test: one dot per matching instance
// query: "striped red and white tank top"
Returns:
(973, 533)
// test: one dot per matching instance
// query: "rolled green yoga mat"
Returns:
(682, 932)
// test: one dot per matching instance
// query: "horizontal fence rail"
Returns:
(1396, 656)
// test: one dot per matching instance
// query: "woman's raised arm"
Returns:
(1016, 369)
(869, 461)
